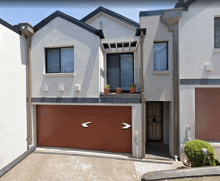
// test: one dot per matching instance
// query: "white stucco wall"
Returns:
(136, 127)
(13, 117)
(196, 48)
(196, 40)
(156, 87)
(112, 27)
(137, 67)
(165, 123)
(101, 69)
(61, 33)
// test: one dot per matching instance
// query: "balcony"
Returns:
(113, 97)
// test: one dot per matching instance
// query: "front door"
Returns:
(154, 121)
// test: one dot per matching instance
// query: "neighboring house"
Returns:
(172, 57)
(199, 72)
(13, 91)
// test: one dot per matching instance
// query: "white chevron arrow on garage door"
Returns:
(126, 126)
(84, 125)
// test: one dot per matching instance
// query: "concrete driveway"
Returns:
(48, 164)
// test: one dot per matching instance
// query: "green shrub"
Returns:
(196, 157)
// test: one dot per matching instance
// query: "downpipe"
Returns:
(142, 93)
(29, 120)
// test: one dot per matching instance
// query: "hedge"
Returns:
(193, 150)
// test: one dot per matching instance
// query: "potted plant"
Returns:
(107, 88)
(118, 90)
(132, 88)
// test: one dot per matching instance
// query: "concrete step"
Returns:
(217, 153)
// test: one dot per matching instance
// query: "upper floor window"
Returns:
(120, 70)
(160, 56)
(60, 60)
(217, 32)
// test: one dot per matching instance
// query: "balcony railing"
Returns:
(124, 97)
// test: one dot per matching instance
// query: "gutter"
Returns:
(28, 31)
(171, 19)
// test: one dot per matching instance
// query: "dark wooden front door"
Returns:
(154, 121)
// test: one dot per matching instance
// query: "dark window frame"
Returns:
(167, 43)
(59, 48)
(120, 68)
(215, 36)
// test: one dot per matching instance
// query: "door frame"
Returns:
(148, 119)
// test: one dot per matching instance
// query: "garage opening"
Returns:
(103, 128)
(207, 114)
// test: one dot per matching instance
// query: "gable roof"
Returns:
(110, 13)
(70, 19)
(9, 26)
(184, 5)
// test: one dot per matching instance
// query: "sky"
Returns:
(15, 12)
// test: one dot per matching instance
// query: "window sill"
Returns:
(216, 50)
(59, 75)
(166, 72)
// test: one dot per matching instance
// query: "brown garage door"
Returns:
(207, 114)
(61, 126)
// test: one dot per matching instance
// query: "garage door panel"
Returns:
(82, 110)
(207, 114)
(64, 129)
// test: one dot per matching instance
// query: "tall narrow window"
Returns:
(120, 70)
(59, 60)
(160, 56)
(217, 32)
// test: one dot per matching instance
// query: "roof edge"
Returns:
(184, 5)
(9, 26)
(66, 17)
(151, 13)
(110, 13)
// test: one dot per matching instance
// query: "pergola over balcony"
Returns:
(114, 45)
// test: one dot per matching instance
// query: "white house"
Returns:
(171, 55)
(199, 72)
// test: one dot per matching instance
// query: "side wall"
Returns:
(111, 27)
(196, 49)
(156, 87)
(13, 117)
(61, 33)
